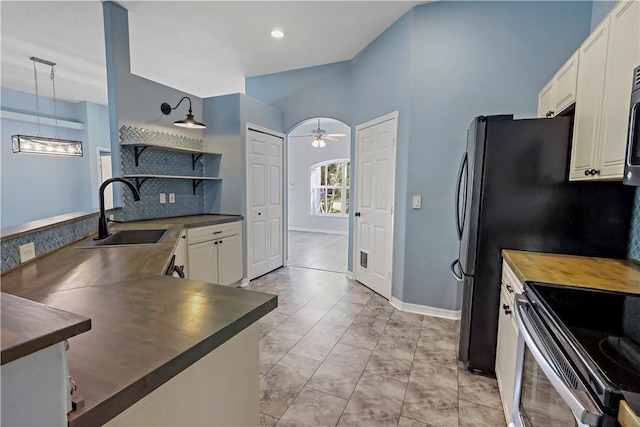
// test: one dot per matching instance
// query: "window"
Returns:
(330, 187)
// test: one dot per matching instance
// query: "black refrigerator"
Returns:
(513, 192)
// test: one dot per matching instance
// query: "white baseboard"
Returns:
(319, 230)
(425, 309)
(350, 275)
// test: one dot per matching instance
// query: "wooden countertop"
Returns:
(146, 327)
(46, 326)
(584, 272)
(626, 416)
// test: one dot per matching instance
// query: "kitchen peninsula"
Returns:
(161, 350)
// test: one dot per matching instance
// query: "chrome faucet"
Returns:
(103, 231)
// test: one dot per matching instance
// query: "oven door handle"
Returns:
(581, 404)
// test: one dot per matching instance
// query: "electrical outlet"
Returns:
(112, 217)
(416, 202)
(27, 252)
(163, 197)
(172, 197)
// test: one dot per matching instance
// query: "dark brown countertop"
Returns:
(146, 331)
(46, 326)
(72, 267)
(146, 327)
(194, 221)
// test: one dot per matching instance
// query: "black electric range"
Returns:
(601, 336)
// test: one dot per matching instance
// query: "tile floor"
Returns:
(335, 353)
(322, 251)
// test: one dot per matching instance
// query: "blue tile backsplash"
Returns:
(161, 162)
(634, 238)
(47, 239)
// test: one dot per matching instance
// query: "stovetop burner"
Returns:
(606, 327)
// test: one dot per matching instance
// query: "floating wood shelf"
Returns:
(139, 148)
(197, 180)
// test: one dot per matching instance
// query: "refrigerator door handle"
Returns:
(460, 221)
(456, 275)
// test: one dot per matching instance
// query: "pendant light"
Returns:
(39, 144)
(189, 122)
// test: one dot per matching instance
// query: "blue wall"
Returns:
(381, 76)
(49, 185)
(440, 65)
(469, 59)
(135, 101)
(599, 10)
(323, 91)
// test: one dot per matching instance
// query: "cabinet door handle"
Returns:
(506, 309)
(596, 171)
(549, 114)
(220, 241)
(217, 232)
(587, 172)
(510, 289)
(215, 243)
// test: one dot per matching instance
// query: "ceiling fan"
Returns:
(319, 136)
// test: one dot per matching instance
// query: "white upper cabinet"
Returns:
(545, 100)
(623, 56)
(560, 93)
(607, 60)
(565, 82)
(590, 92)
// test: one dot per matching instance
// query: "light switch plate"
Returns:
(163, 197)
(27, 252)
(172, 197)
(416, 203)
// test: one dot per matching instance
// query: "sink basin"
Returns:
(128, 238)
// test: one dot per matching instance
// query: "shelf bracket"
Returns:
(194, 159)
(196, 182)
(139, 182)
(137, 151)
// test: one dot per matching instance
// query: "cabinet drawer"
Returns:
(510, 281)
(202, 234)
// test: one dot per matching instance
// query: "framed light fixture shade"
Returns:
(48, 146)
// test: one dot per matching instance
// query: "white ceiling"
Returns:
(205, 48)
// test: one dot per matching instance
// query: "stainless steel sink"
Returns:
(128, 238)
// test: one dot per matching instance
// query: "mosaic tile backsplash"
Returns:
(47, 239)
(634, 238)
(156, 161)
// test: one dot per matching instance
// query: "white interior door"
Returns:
(264, 205)
(375, 189)
(104, 173)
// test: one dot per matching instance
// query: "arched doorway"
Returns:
(319, 175)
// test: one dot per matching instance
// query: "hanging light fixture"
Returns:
(189, 122)
(39, 144)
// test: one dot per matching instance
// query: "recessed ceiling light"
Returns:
(277, 34)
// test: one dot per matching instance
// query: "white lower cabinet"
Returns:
(180, 260)
(507, 342)
(214, 254)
